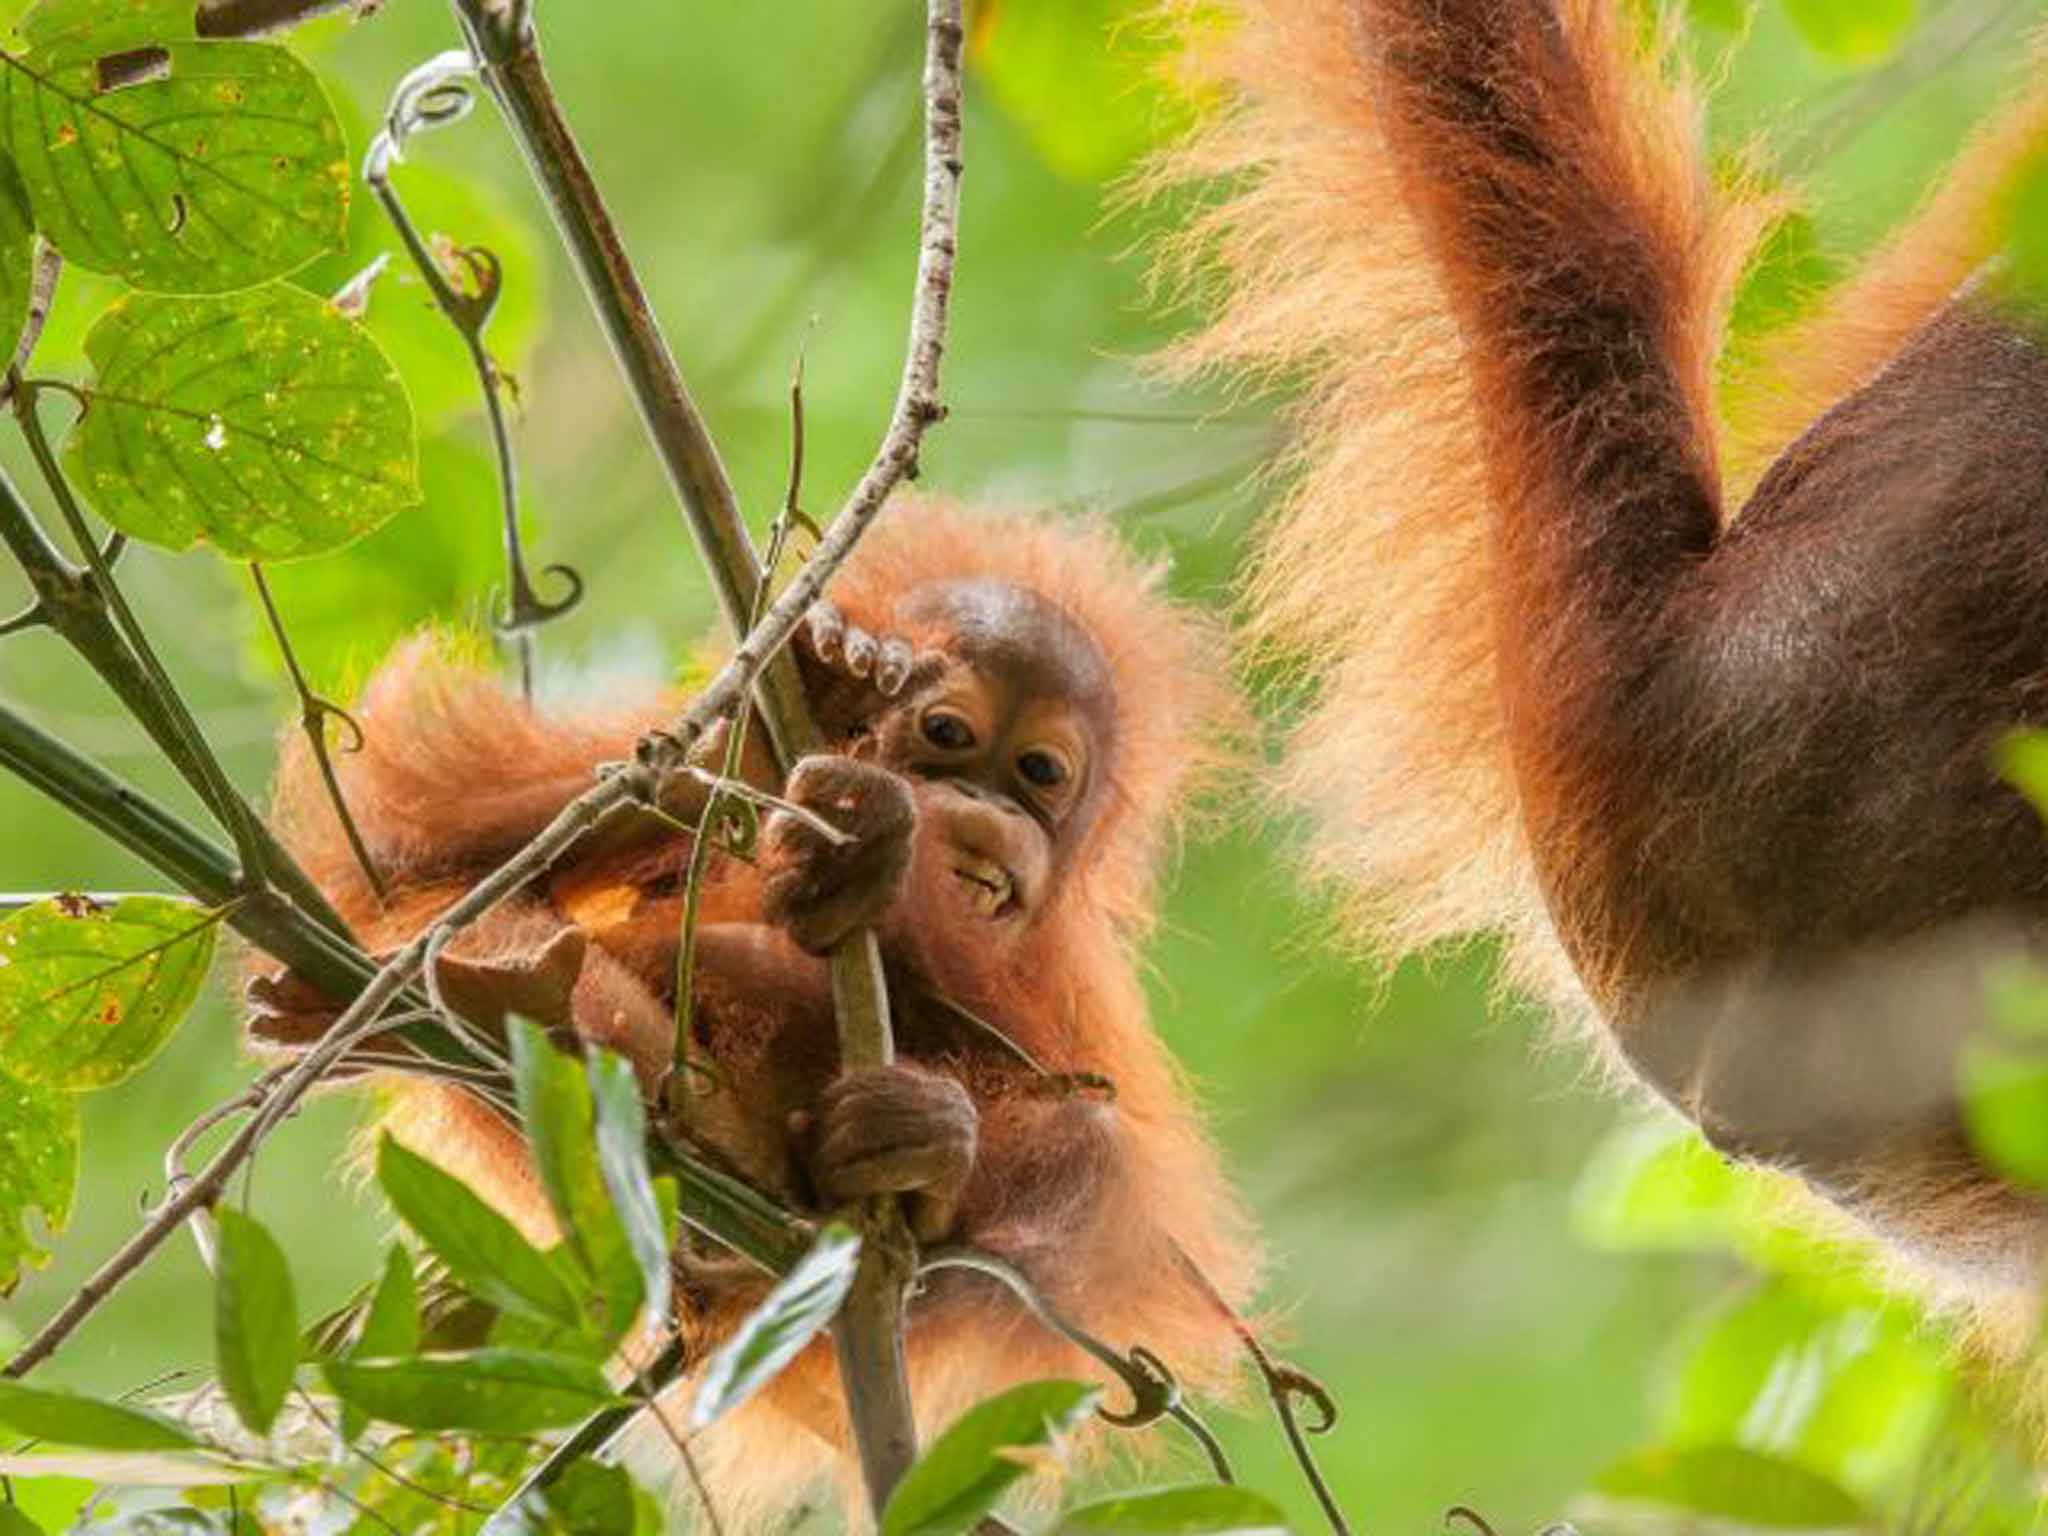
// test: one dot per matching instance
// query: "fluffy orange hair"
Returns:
(1377, 576)
(456, 773)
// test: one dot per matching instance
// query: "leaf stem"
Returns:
(314, 713)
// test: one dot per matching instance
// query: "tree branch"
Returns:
(869, 1331)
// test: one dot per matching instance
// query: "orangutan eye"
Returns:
(947, 731)
(1042, 769)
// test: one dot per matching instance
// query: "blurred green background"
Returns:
(1413, 1158)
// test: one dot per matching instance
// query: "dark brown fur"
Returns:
(1734, 769)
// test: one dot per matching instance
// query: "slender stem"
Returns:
(435, 95)
(76, 607)
(189, 742)
(869, 1331)
(314, 712)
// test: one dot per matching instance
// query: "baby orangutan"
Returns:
(1016, 713)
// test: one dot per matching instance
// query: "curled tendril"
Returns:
(435, 95)
(317, 711)
(1465, 1514)
(527, 609)
(486, 274)
(1154, 1392)
(1296, 1383)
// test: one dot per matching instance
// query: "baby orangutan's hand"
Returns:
(896, 1130)
(820, 890)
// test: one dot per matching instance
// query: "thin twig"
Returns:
(599, 1430)
(71, 602)
(436, 95)
(219, 792)
(314, 713)
(690, 1467)
(868, 1332)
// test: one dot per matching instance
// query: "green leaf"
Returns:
(800, 1307)
(560, 1117)
(223, 171)
(1205, 1509)
(622, 1162)
(589, 1499)
(17, 255)
(14, 1523)
(2026, 247)
(255, 1319)
(435, 565)
(265, 423)
(483, 1251)
(89, 993)
(1870, 1387)
(38, 1169)
(1654, 1183)
(429, 354)
(1731, 1483)
(2022, 757)
(391, 1327)
(490, 1391)
(129, 1469)
(1852, 31)
(1080, 77)
(975, 1462)
(69, 1418)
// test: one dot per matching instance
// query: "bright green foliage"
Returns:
(490, 1391)
(2023, 759)
(1849, 1391)
(221, 169)
(1734, 1484)
(1090, 110)
(560, 1117)
(984, 1453)
(255, 1319)
(89, 993)
(589, 1499)
(346, 610)
(1852, 31)
(264, 423)
(2005, 1077)
(621, 1128)
(483, 1251)
(2026, 234)
(390, 1327)
(450, 210)
(39, 1137)
(17, 255)
(1210, 1509)
(799, 1308)
(1655, 1184)
(69, 1418)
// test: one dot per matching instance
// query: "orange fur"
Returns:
(1325, 267)
(455, 774)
